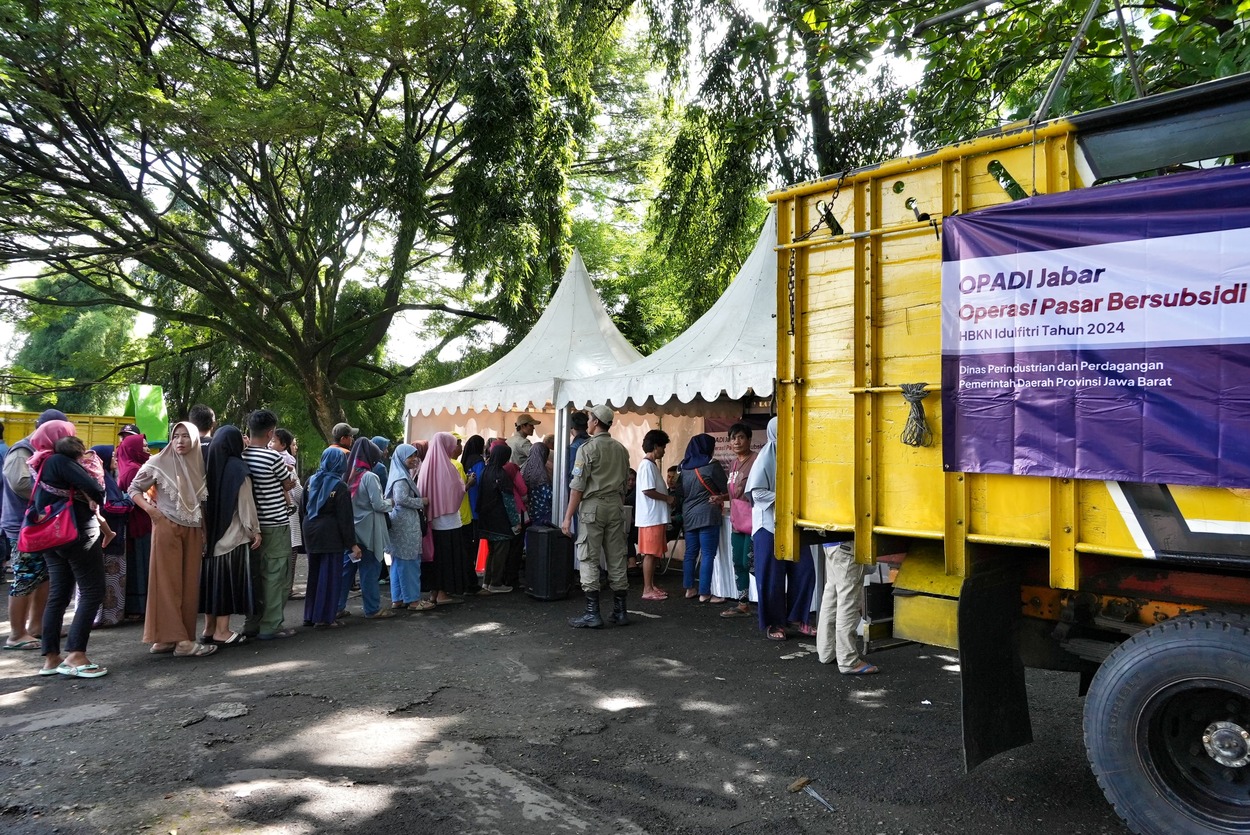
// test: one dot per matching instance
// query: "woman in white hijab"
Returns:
(170, 488)
(785, 587)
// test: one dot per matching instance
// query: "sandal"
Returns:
(332, 625)
(803, 628)
(658, 594)
(272, 636)
(775, 633)
(381, 613)
(736, 612)
(421, 606)
(200, 651)
(864, 669)
(448, 601)
(691, 594)
(81, 671)
(235, 639)
(162, 649)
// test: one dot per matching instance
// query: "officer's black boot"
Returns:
(619, 616)
(590, 619)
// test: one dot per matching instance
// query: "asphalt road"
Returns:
(495, 717)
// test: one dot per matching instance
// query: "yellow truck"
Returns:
(1073, 493)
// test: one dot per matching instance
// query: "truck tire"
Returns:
(1167, 726)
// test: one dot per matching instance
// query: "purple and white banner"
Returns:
(1102, 333)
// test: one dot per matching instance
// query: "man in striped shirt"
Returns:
(271, 479)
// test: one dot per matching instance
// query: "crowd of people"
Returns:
(213, 523)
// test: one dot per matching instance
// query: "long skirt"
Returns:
(113, 607)
(447, 572)
(325, 582)
(138, 560)
(226, 583)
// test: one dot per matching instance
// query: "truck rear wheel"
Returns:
(1167, 726)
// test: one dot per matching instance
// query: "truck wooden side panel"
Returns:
(859, 266)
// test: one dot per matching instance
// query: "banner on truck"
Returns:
(1102, 333)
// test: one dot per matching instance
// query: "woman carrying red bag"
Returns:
(60, 477)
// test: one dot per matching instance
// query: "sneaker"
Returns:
(499, 589)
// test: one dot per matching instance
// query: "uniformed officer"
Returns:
(599, 473)
(520, 442)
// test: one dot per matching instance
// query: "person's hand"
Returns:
(567, 527)
(516, 529)
(470, 479)
(256, 541)
(356, 553)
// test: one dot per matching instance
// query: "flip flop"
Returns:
(803, 628)
(82, 671)
(655, 596)
(200, 651)
(775, 633)
(22, 645)
(163, 650)
(864, 669)
(235, 639)
(48, 671)
(448, 601)
(735, 612)
(381, 613)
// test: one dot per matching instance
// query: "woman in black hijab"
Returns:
(231, 532)
(498, 520)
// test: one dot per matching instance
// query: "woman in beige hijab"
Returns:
(170, 488)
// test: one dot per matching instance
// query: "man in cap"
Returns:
(128, 430)
(29, 592)
(599, 474)
(520, 442)
(342, 436)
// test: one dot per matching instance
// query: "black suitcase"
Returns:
(548, 563)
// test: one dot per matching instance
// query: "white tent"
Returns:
(729, 353)
(573, 338)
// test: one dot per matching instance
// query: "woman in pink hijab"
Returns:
(443, 489)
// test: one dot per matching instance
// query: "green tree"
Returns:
(291, 167)
(779, 100)
(66, 350)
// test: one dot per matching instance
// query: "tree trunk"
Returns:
(323, 407)
(818, 105)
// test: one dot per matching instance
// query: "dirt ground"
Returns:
(495, 717)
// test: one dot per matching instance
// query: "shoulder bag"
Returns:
(51, 527)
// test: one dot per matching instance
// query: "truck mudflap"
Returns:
(995, 703)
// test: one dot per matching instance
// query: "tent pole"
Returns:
(559, 483)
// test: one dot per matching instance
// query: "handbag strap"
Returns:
(30, 504)
(709, 490)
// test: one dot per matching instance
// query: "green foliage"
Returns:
(66, 349)
(978, 76)
(283, 174)
(781, 100)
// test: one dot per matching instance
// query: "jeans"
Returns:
(405, 580)
(741, 543)
(370, 571)
(707, 540)
(68, 566)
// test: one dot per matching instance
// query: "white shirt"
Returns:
(649, 511)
